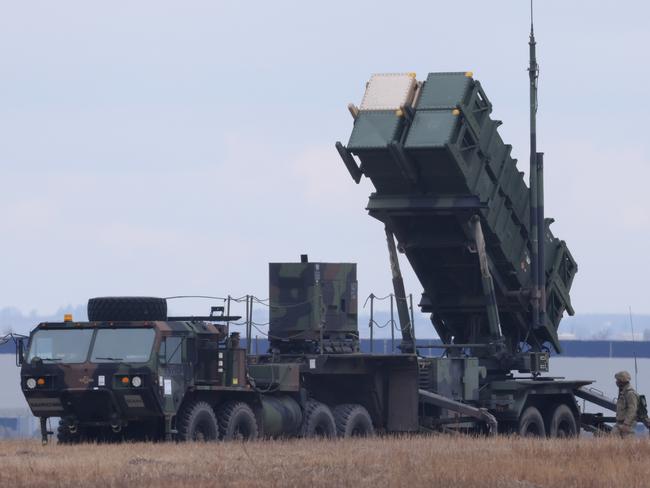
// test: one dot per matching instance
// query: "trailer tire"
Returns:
(352, 420)
(317, 421)
(106, 309)
(562, 423)
(237, 422)
(196, 422)
(531, 423)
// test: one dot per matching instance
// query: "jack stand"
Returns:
(168, 428)
(44, 432)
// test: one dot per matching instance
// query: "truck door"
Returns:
(175, 371)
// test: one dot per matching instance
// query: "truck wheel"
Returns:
(236, 422)
(104, 309)
(531, 423)
(317, 421)
(562, 422)
(64, 436)
(352, 420)
(197, 422)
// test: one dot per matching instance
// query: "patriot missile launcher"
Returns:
(450, 192)
(495, 279)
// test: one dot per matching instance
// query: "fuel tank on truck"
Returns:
(281, 415)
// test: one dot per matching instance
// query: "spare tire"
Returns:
(111, 309)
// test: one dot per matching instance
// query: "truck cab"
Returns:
(110, 379)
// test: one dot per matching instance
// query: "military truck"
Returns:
(132, 373)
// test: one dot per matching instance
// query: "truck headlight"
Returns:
(31, 383)
(136, 381)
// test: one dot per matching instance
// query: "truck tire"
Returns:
(352, 420)
(64, 436)
(531, 423)
(196, 422)
(237, 422)
(317, 421)
(562, 423)
(105, 309)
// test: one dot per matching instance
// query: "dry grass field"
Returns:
(406, 461)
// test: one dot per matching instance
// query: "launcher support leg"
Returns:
(406, 326)
(486, 279)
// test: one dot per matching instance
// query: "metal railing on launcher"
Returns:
(372, 323)
(250, 300)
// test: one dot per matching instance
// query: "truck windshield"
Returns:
(61, 346)
(122, 345)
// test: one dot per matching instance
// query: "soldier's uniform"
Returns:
(626, 406)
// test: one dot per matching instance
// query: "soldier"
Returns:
(626, 406)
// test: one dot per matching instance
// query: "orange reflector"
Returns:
(125, 380)
(41, 381)
(67, 317)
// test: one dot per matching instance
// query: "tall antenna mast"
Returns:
(536, 181)
(636, 368)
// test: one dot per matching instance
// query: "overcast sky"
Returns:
(166, 148)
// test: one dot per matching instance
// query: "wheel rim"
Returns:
(532, 430)
(564, 430)
(201, 432)
(320, 431)
(359, 431)
(242, 432)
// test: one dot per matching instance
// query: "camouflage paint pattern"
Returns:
(626, 410)
(312, 302)
(92, 393)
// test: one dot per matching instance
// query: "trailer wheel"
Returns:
(236, 422)
(562, 423)
(104, 309)
(531, 423)
(317, 421)
(353, 420)
(196, 422)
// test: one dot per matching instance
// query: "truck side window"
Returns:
(174, 350)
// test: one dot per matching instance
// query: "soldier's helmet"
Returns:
(623, 376)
